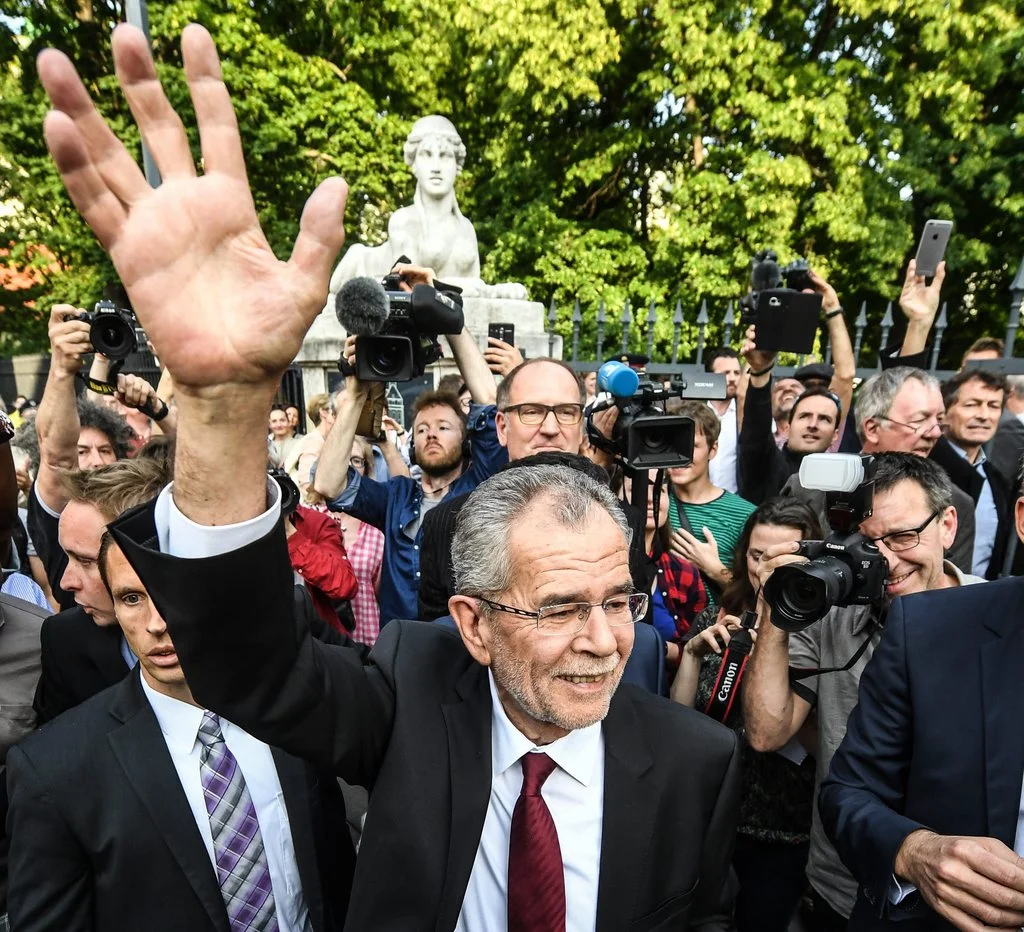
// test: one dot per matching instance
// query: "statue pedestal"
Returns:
(318, 356)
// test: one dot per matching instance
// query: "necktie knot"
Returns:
(536, 769)
(209, 731)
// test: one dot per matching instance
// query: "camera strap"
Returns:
(110, 386)
(803, 673)
(730, 673)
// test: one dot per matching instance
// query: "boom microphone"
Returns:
(362, 306)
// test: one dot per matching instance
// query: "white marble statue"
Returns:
(431, 231)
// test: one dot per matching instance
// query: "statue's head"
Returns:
(435, 154)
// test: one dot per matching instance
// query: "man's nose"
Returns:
(550, 423)
(69, 580)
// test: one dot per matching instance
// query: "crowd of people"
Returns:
(568, 708)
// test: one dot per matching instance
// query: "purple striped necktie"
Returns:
(242, 869)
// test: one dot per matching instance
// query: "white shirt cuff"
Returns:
(182, 537)
(898, 892)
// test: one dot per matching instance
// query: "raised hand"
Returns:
(918, 301)
(218, 305)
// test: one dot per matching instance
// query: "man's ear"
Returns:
(501, 428)
(947, 527)
(1019, 518)
(871, 426)
(713, 452)
(473, 627)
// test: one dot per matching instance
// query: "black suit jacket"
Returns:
(102, 836)
(965, 477)
(79, 659)
(936, 740)
(414, 724)
(1005, 449)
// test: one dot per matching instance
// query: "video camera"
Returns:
(844, 569)
(111, 330)
(396, 330)
(644, 436)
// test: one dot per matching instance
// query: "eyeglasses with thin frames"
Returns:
(899, 541)
(533, 414)
(554, 620)
(920, 427)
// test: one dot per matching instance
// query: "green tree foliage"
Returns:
(617, 150)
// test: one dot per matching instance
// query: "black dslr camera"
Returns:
(644, 436)
(407, 342)
(289, 490)
(845, 569)
(111, 330)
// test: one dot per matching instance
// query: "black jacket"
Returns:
(935, 741)
(763, 468)
(966, 478)
(413, 725)
(103, 839)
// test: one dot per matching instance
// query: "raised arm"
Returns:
(196, 242)
(8, 491)
(919, 303)
(839, 340)
(332, 468)
(57, 422)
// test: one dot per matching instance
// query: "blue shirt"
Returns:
(986, 517)
(395, 505)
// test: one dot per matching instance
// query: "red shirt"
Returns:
(317, 552)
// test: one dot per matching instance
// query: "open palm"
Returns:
(218, 305)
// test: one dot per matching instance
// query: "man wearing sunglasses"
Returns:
(912, 523)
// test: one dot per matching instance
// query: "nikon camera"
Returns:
(111, 330)
(844, 569)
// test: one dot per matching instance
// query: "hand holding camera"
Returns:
(716, 638)
(759, 360)
(69, 339)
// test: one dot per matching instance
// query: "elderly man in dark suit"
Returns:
(512, 785)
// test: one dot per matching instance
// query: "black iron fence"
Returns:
(617, 333)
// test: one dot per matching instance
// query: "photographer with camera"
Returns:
(814, 422)
(777, 789)
(72, 433)
(897, 527)
(442, 436)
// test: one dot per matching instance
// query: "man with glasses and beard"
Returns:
(441, 435)
(912, 523)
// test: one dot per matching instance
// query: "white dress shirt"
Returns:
(574, 794)
(722, 469)
(180, 723)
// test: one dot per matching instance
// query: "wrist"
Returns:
(906, 857)
(760, 373)
(832, 313)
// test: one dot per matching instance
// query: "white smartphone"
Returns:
(932, 247)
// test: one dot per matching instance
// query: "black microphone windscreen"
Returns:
(361, 306)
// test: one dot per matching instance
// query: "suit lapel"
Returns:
(1002, 660)
(139, 747)
(630, 809)
(468, 723)
(296, 787)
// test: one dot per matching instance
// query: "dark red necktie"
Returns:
(536, 879)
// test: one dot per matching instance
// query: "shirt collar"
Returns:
(963, 453)
(178, 720)
(577, 753)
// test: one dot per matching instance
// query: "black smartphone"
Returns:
(504, 332)
(787, 321)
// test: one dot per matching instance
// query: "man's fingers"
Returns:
(321, 235)
(106, 152)
(218, 126)
(160, 126)
(995, 862)
(940, 276)
(98, 205)
(991, 915)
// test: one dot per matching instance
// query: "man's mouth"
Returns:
(893, 581)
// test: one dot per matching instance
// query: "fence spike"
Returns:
(940, 328)
(702, 329)
(677, 326)
(860, 324)
(627, 320)
(576, 318)
(728, 323)
(886, 327)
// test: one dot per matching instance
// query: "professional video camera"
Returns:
(111, 330)
(786, 316)
(767, 275)
(644, 436)
(397, 330)
(845, 569)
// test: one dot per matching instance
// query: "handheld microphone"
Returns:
(362, 306)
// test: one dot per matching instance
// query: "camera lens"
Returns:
(113, 337)
(387, 360)
(800, 594)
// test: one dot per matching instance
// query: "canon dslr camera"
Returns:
(845, 569)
